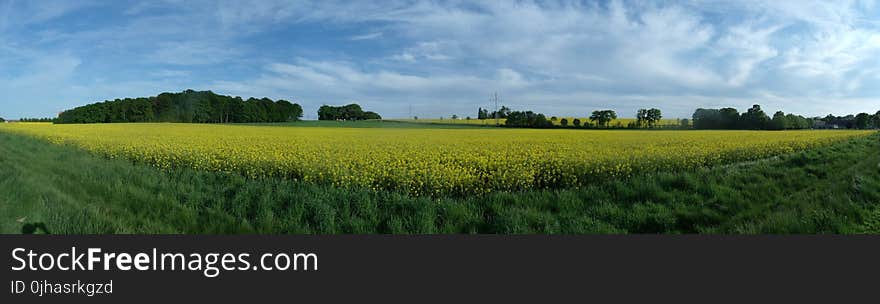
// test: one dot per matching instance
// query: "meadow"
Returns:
(826, 189)
(426, 161)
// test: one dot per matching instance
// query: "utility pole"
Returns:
(410, 112)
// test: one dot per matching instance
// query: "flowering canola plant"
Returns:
(426, 161)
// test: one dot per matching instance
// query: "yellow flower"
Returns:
(425, 161)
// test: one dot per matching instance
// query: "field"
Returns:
(426, 161)
(475, 122)
(826, 189)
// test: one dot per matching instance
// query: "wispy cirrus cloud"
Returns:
(368, 36)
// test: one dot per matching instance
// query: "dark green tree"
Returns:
(707, 119)
(779, 122)
(527, 119)
(187, 106)
(755, 119)
(603, 117)
(482, 113)
(371, 115)
(653, 116)
(863, 121)
(346, 112)
(877, 120)
(641, 117)
(501, 113)
(729, 118)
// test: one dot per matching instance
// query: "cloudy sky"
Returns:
(446, 57)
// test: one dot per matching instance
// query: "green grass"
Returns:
(834, 189)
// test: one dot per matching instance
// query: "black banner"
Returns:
(456, 268)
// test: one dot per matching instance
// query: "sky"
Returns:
(439, 58)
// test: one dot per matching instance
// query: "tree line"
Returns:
(44, 119)
(501, 113)
(756, 119)
(858, 121)
(31, 120)
(753, 118)
(186, 107)
(346, 112)
(645, 118)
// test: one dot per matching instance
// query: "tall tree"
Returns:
(707, 119)
(483, 114)
(863, 121)
(779, 122)
(603, 117)
(877, 120)
(641, 117)
(729, 119)
(501, 113)
(653, 116)
(755, 118)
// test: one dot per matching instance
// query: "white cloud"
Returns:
(192, 53)
(797, 50)
(812, 56)
(368, 36)
(171, 73)
(429, 50)
(747, 47)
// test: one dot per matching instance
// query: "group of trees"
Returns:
(867, 121)
(527, 119)
(346, 112)
(599, 118)
(36, 120)
(648, 117)
(187, 107)
(858, 121)
(603, 117)
(753, 119)
(726, 118)
(876, 120)
(504, 112)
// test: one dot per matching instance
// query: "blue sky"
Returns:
(446, 57)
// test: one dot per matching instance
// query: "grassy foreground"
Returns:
(834, 189)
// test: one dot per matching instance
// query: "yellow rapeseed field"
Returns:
(425, 161)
